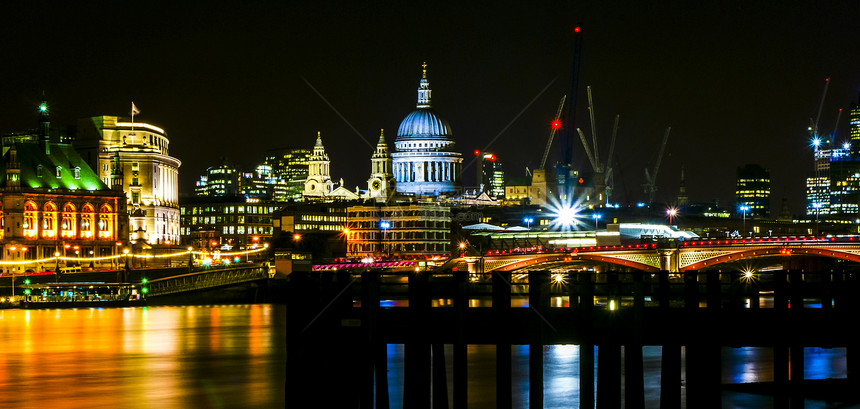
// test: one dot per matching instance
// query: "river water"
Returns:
(234, 356)
(223, 356)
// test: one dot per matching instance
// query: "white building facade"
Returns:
(137, 153)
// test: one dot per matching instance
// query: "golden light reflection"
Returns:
(161, 356)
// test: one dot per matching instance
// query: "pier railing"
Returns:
(353, 316)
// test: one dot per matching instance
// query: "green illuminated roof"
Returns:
(40, 170)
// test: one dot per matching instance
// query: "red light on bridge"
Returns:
(556, 124)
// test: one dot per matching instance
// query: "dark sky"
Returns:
(737, 82)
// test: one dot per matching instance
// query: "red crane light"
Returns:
(477, 152)
(576, 29)
(556, 124)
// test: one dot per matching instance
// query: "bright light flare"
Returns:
(559, 278)
(565, 214)
(816, 142)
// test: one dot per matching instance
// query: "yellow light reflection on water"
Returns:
(165, 357)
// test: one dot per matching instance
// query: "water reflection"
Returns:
(226, 356)
(561, 374)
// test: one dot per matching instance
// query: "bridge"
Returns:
(206, 279)
(665, 255)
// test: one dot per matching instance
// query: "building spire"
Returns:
(423, 89)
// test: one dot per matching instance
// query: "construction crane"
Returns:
(813, 124)
(602, 170)
(555, 125)
(651, 177)
(564, 174)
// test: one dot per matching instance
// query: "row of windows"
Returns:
(394, 236)
(354, 248)
(76, 170)
(352, 214)
(318, 218)
(403, 224)
(194, 220)
(251, 209)
(323, 227)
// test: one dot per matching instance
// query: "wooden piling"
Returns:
(634, 377)
(539, 303)
(416, 350)
(501, 281)
(585, 287)
(461, 304)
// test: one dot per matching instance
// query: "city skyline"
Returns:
(737, 84)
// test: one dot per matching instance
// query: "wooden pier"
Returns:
(337, 331)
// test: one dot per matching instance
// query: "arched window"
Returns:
(105, 223)
(88, 223)
(68, 222)
(49, 221)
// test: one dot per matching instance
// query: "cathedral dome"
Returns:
(423, 123)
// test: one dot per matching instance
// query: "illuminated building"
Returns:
(424, 159)
(319, 228)
(381, 185)
(854, 125)
(220, 180)
(227, 223)
(534, 190)
(53, 202)
(318, 185)
(833, 189)
(753, 190)
(398, 230)
(491, 176)
(227, 180)
(137, 153)
(291, 166)
(263, 184)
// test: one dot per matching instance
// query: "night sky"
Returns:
(737, 82)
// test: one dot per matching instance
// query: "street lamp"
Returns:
(384, 225)
(528, 221)
(671, 212)
(817, 206)
(596, 217)
(744, 209)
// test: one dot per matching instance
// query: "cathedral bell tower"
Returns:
(381, 184)
(318, 183)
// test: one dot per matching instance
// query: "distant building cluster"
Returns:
(110, 183)
(279, 178)
(833, 187)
